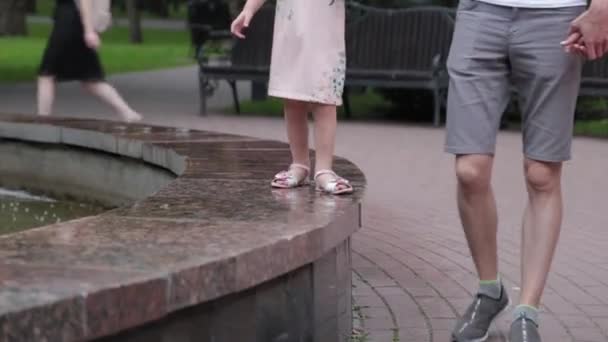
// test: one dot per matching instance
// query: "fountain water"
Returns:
(20, 210)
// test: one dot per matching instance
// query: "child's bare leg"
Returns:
(108, 94)
(326, 122)
(46, 95)
(296, 120)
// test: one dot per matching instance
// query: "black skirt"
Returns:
(67, 57)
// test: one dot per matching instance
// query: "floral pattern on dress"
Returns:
(283, 10)
(331, 90)
(339, 75)
(308, 55)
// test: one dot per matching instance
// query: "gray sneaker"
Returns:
(474, 325)
(524, 329)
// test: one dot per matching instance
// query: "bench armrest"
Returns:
(221, 35)
(213, 36)
(437, 65)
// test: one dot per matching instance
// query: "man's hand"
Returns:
(588, 33)
(575, 44)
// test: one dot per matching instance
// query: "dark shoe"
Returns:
(524, 329)
(474, 325)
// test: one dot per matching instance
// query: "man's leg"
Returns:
(541, 227)
(540, 233)
(477, 208)
(547, 80)
(478, 95)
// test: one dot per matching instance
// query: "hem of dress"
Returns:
(507, 3)
(300, 97)
(71, 79)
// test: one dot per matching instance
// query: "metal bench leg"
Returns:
(235, 97)
(203, 84)
(346, 103)
(436, 106)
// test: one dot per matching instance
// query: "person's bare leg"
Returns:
(109, 95)
(541, 227)
(296, 121)
(477, 208)
(326, 123)
(46, 95)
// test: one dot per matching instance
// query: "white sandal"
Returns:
(331, 187)
(288, 180)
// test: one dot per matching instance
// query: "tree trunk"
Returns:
(158, 7)
(135, 31)
(13, 14)
(31, 6)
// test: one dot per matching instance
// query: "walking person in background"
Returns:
(71, 56)
(307, 71)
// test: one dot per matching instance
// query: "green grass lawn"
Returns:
(592, 128)
(370, 105)
(20, 57)
(364, 106)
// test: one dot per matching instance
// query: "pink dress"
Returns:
(308, 52)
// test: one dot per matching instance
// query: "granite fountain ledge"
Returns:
(214, 232)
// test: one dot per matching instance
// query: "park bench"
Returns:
(595, 78)
(399, 48)
(209, 21)
(403, 48)
(246, 60)
(386, 48)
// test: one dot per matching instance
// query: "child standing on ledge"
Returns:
(307, 71)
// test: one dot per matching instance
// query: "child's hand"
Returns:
(241, 22)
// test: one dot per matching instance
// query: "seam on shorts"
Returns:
(467, 150)
(548, 159)
(545, 129)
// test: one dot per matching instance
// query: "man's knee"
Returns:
(542, 176)
(474, 172)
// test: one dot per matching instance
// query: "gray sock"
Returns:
(491, 288)
(527, 311)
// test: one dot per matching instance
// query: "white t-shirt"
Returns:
(537, 3)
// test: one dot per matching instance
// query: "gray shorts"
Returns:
(496, 49)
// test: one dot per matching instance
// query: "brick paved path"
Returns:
(412, 271)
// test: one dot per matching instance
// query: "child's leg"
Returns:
(326, 122)
(296, 120)
(325, 136)
(108, 94)
(46, 95)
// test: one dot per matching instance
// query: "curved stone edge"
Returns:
(175, 286)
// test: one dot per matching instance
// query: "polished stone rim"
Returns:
(216, 230)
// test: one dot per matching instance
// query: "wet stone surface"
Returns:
(217, 235)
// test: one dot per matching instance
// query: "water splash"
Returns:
(22, 195)
(20, 210)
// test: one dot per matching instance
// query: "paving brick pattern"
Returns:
(412, 270)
